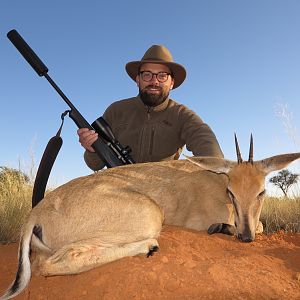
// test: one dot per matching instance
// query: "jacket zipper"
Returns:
(152, 133)
(151, 141)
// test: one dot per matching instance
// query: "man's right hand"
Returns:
(86, 138)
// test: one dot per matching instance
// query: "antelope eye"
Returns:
(260, 195)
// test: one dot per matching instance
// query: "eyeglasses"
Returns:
(160, 76)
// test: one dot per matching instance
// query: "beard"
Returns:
(153, 99)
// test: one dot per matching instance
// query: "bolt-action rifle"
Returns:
(106, 146)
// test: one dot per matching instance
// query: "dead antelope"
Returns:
(119, 212)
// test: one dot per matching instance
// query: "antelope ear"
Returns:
(276, 162)
(214, 164)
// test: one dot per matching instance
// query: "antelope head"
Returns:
(246, 185)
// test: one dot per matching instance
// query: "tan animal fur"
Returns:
(118, 212)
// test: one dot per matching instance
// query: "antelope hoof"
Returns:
(215, 228)
(152, 250)
(222, 228)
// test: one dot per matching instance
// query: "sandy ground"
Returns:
(189, 265)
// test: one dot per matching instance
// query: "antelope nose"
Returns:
(245, 239)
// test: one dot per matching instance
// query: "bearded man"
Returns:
(153, 125)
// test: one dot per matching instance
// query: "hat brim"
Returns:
(178, 71)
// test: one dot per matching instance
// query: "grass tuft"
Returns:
(15, 203)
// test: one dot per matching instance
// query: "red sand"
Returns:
(189, 265)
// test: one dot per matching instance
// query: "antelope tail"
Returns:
(24, 270)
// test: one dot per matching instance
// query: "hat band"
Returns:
(155, 59)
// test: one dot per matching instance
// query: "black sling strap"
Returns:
(46, 164)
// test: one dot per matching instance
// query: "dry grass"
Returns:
(281, 214)
(15, 204)
(284, 213)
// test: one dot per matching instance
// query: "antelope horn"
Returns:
(238, 152)
(250, 160)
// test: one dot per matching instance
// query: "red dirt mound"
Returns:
(189, 265)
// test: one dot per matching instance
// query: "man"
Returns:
(154, 126)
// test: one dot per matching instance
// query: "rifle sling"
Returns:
(46, 164)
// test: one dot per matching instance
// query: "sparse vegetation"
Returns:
(15, 202)
(281, 214)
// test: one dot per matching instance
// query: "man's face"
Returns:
(154, 92)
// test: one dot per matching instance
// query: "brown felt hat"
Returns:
(158, 54)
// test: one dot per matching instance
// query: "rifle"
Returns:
(107, 147)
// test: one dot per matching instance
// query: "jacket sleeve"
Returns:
(93, 161)
(197, 135)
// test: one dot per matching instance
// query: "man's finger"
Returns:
(89, 140)
(82, 130)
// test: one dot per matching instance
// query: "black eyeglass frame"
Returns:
(156, 74)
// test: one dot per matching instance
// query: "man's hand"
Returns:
(86, 138)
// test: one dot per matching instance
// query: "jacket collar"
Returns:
(157, 108)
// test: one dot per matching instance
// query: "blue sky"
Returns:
(242, 60)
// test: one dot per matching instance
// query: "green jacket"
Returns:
(157, 133)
